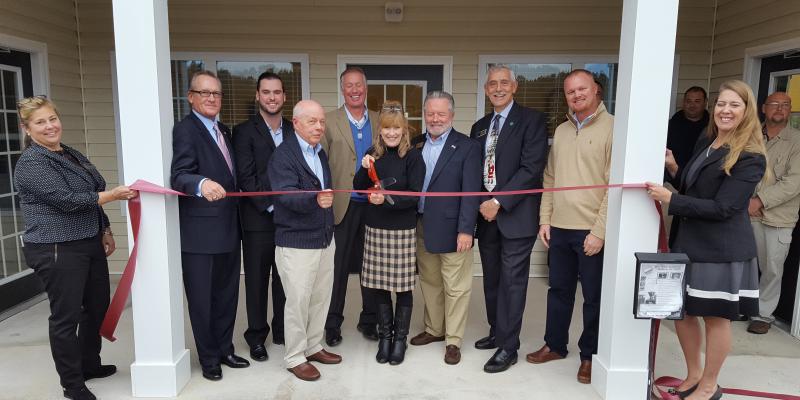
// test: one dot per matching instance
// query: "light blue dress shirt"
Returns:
(209, 124)
(311, 155)
(430, 154)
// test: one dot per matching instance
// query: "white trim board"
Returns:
(753, 56)
(445, 61)
(40, 72)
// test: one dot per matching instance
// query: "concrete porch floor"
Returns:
(763, 363)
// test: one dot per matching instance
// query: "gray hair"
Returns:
(441, 94)
(302, 107)
(501, 67)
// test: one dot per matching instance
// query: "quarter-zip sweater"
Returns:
(579, 157)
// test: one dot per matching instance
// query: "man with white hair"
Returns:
(304, 239)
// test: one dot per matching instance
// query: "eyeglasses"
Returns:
(206, 94)
(392, 108)
(775, 105)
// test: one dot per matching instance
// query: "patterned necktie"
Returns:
(489, 176)
(223, 148)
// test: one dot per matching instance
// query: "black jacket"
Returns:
(711, 222)
(253, 146)
(57, 197)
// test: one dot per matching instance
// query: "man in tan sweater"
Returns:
(573, 223)
(773, 209)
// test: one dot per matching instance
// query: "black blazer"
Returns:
(458, 169)
(711, 223)
(253, 146)
(206, 227)
(299, 220)
(58, 198)
(520, 158)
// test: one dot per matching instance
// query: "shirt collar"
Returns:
(505, 111)
(277, 131)
(209, 124)
(360, 123)
(442, 138)
(305, 146)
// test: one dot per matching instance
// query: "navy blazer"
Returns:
(711, 222)
(299, 220)
(520, 158)
(253, 146)
(458, 169)
(206, 227)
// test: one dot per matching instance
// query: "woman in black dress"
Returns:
(66, 241)
(711, 225)
(390, 229)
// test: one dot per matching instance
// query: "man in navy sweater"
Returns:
(304, 239)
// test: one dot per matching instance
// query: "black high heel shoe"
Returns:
(684, 393)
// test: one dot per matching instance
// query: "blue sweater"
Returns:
(300, 222)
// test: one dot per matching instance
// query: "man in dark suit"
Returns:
(446, 226)
(202, 167)
(254, 141)
(305, 248)
(514, 143)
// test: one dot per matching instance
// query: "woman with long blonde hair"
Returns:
(713, 228)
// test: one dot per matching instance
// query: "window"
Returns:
(238, 75)
(789, 82)
(541, 82)
(11, 223)
(409, 93)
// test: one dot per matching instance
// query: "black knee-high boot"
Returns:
(402, 320)
(384, 332)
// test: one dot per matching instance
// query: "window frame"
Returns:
(576, 60)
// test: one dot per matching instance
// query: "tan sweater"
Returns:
(779, 193)
(577, 158)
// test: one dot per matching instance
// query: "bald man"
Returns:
(773, 209)
(304, 246)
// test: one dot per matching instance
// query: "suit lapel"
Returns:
(448, 150)
(206, 136)
(78, 170)
(343, 125)
(508, 129)
(483, 133)
(263, 130)
(295, 149)
(712, 158)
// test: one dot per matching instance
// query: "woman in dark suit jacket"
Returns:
(712, 227)
(66, 241)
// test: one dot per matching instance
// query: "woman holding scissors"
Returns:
(390, 232)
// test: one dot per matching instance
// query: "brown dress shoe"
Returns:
(325, 357)
(452, 354)
(585, 372)
(305, 371)
(758, 327)
(543, 355)
(425, 338)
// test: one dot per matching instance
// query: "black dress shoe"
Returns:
(234, 361)
(333, 337)
(213, 373)
(102, 371)
(370, 332)
(259, 352)
(79, 393)
(500, 361)
(486, 343)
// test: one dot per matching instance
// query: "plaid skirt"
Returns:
(389, 259)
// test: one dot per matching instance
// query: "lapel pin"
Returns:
(453, 146)
(511, 123)
(482, 133)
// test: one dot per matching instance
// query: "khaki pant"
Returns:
(446, 283)
(773, 246)
(307, 277)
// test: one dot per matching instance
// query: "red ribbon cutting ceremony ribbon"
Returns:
(134, 210)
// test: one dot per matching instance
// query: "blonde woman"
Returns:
(390, 229)
(712, 227)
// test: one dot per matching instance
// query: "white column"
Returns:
(141, 35)
(647, 46)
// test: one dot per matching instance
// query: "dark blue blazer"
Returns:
(458, 169)
(253, 146)
(711, 222)
(299, 220)
(206, 227)
(520, 158)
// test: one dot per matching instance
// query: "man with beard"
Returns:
(348, 135)
(573, 223)
(773, 209)
(254, 141)
(514, 143)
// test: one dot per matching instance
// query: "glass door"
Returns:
(410, 94)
